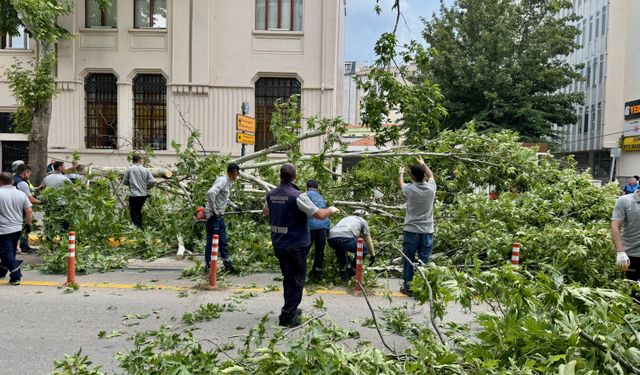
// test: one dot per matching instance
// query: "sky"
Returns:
(364, 26)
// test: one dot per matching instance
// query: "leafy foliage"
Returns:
(501, 63)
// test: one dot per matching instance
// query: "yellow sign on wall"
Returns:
(247, 139)
(631, 144)
(245, 124)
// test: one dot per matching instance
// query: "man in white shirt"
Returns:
(56, 180)
(14, 205)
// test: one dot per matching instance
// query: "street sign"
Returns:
(631, 144)
(615, 152)
(246, 139)
(245, 123)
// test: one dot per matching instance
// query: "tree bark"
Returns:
(39, 141)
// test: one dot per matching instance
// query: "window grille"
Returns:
(12, 151)
(150, 111)
(6, 123)
(101, 106)
(268, 91)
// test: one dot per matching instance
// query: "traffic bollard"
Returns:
(213, 268)
(515, 255)
(359, 256)
(71, 259)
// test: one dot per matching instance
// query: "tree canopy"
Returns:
(502, 63)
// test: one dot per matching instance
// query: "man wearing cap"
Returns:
(343, 238)
(288, 210)
(625, 232)
(21, 182)
(14, 205)
(318, 229)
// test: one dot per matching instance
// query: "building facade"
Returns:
(142, 72)
(605, 120)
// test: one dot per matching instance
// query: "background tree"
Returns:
(501, 63)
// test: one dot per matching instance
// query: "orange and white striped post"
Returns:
(71, 259)
(515, 255)
(359, 257)
(213, 268)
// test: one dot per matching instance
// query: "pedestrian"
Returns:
(56, 180)
(625, 233)
(632, 186)
(418, 220)
(50, 167)
(217, 201)
(343, 238)
(288, 210)
(22, 183)
(14, 206)
(318, 229)
(140, 180)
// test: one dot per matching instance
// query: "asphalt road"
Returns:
(44, 321)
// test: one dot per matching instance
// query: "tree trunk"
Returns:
(39, 141)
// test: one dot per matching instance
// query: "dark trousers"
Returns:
(293, 264)
(8, 262)
(135, 208)
(318, 239)
(633, 273)
(24, 241)
(216, 225)
(422, 243)
(342, 245)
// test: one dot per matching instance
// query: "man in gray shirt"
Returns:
(343, 238)
(418, 221)
(14, 205)
(140, 180)
(217, 201)
(56, 180)
(625, 232)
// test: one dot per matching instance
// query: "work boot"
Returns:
(406, 291)
(231, 270)
(289, 322)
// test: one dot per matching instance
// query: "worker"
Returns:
(140, 180)
(14, 209)
(343, 238)
(418, 220)
(288, 210)
(217, 201)
(22, 183)
(625, 233)
(318, 230)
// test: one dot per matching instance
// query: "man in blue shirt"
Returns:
(288, 210)
(632, 186)
(318, 229)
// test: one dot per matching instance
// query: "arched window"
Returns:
(101, 120)
(268, 90)
(150, 111)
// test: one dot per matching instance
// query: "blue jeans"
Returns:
(217, 226)
(422, 243)
(342, 245)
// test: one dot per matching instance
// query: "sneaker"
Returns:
(406, 292)
(14, 282)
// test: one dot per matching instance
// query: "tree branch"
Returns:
(613, 354)
(375, 321)
(274, 148)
